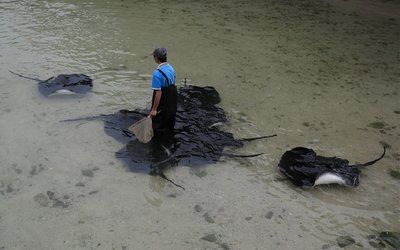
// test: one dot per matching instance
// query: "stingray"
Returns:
(197, 139)
(304, 167)
(63, 84)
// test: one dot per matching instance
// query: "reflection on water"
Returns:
(316, 75)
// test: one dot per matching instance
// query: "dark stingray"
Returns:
(305, 168)
(63, 84)
(196, 140)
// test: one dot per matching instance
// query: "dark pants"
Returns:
(164, 121)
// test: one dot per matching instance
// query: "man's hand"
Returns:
(153, 113)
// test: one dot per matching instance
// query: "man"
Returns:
(164, 101)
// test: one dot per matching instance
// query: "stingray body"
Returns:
(197, 139)
(63, 84)
(304, 167)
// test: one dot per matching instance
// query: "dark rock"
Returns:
(392, 238)
(87, 172)
(51, 195)
(80, 184)
(198, 208)
(42, 199)
(201, 174)
(33, 170)
(269, 215)
(377, 244)
(9, 188)
(248, 218)
(59, 203)
(344, 241)
(36, 169)
(208, 218)
(56, 201)
(377, 125)
(17, 170)
(224, 246)
(210, 238)
(395, 174)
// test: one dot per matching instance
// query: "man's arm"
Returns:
(157, 98)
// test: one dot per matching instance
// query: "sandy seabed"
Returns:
(321, 74)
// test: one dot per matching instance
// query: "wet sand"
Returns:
(320, 74)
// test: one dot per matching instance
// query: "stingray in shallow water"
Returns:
(63, 84)
(304, 167)
(196, 140)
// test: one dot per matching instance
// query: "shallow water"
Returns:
(318, 74)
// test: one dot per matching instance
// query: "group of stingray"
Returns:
(198, 139)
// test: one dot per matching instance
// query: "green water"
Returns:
(314, 73)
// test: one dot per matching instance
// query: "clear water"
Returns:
(314, 73)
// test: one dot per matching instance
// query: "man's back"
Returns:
(159, 80)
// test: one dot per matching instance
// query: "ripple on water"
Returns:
(107, 41)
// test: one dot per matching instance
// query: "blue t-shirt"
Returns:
(158, 80)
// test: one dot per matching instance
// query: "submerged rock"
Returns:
(210, 238)
(198, 208)
(344, 241)
(269, 215)
(392, 238)
(376, 243)
(208, 218)
(224, 246)
(395, 174)
(87, 172)
(42, 200)
(377, 125)
(80, 184)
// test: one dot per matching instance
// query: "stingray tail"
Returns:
(159, 167)
(243, 156)
(26, 77)
(162, 175)
(87, 118)
(101, 116)
(370, 162)
(125, 111)
(257, 138)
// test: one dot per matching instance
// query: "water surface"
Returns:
(317, 73)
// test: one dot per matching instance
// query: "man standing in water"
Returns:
(164, 101)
